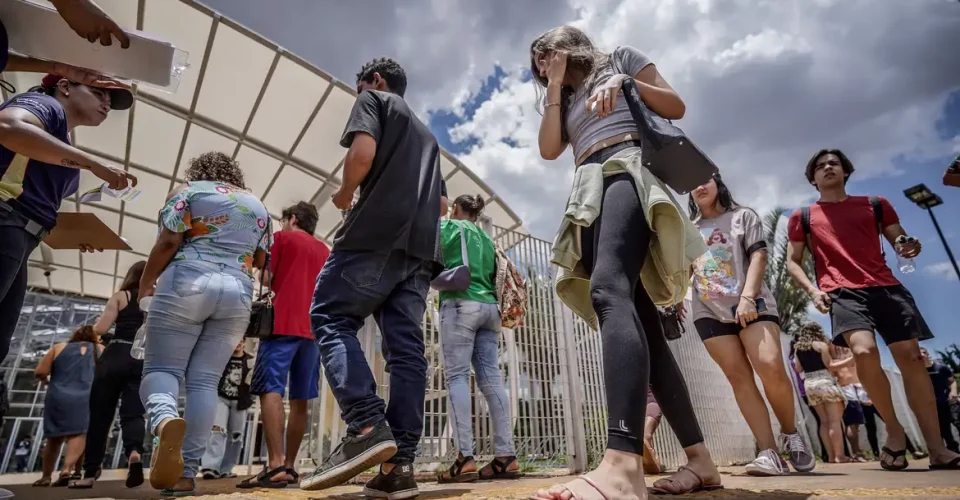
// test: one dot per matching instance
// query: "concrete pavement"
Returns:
(847, 481)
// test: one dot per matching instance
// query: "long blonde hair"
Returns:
(809, 333)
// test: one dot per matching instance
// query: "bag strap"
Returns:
(878, 217)
(266, 265)
(463, 247)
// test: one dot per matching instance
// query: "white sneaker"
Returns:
(768, 463)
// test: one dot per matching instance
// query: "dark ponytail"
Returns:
(471, 205)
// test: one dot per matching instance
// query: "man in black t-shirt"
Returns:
(382, 261)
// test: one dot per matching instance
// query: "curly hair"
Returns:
(389, 70)
(215, 166)
(809, 333)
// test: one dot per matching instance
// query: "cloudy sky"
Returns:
(766, 83)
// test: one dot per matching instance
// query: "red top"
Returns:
(845, 243)
(295, 261)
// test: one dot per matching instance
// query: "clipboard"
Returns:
(74, 229)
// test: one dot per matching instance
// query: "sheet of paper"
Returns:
(39, 31)
(126, 194)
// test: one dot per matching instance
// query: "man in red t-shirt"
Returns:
(296, 258)
(862, 296)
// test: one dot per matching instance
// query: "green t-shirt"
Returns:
(481, 254)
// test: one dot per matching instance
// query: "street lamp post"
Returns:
(925, 199)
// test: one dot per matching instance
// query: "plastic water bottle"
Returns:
(139, 346)
(906, 264)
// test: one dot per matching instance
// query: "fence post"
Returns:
(573, 416)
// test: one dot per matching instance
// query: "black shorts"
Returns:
(853, 413)
(709, 328)
(888, 310)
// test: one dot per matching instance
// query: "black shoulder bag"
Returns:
(666, 151)
(261, 310)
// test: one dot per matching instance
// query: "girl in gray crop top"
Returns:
(570, 74)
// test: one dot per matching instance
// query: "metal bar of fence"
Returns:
(553, 370)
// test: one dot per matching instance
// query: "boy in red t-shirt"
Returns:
(862, 296)
(296, 258)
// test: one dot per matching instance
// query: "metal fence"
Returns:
(552, 367)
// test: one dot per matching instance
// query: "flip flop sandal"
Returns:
(683, 490)
(76, 486)
(499, 470)
(168, 465)
(42, 483)
(168, 492)
(573, 495)
(264, 480)
(455, 473)
(62, 481)
(134, 475)
(951, 465)
(888, 459)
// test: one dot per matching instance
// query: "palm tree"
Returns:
(951, 357)
(792, 301)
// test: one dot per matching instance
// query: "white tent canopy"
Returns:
(278, 115)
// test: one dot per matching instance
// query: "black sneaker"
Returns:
(399, 484)
(352, 456)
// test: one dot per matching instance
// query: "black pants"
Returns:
(15, 249)
(117, 379)
(946, 427)
(635, 351)
(869, 412)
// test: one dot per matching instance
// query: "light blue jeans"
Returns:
(198, 316)
(470, 331)
(226, 438)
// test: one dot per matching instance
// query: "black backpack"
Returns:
(877, 216)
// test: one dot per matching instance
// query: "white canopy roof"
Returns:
(279, 116)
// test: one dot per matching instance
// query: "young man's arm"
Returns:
(795, 268)
(795, 247)
(893, 230)
(361, 136)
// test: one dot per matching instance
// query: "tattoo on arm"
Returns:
(66, 162)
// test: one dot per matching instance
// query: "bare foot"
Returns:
(619, 476)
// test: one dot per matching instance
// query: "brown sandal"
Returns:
(500, 470)
(455, 473)
(651, 463)
(677, 487)
(573, 494)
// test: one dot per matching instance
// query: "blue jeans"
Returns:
(393, 288)
(198, 316)
(470, 331)
(226, 438)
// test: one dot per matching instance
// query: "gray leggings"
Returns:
(635, 352)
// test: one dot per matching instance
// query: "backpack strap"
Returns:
(807, 234)
(878, 217)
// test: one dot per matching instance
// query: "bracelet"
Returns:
(547, 105)
(748, 299)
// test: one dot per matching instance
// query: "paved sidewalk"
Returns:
(848, 481)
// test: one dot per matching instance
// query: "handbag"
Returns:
(458, 278)
(666, 151)
(261, 310)
(673, 328)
